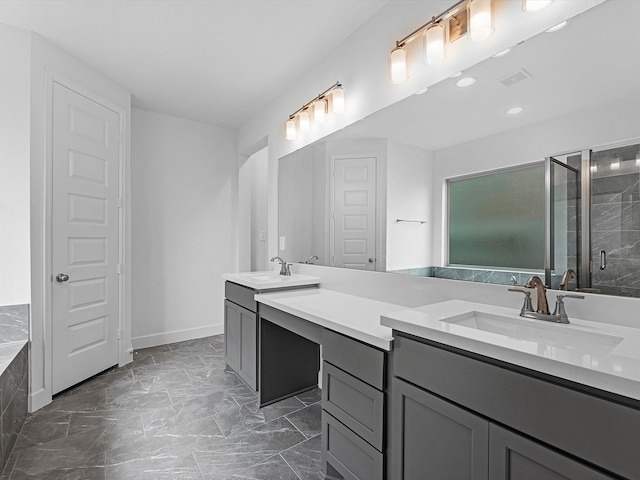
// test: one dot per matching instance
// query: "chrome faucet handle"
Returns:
(560, 312)
(286, 268)
(526, 306)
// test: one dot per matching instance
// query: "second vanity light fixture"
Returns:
(319, 106)
(471, 17)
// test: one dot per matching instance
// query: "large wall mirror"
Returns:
(377, 195)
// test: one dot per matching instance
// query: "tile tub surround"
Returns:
(14, 385)
(14, 323)
(172, 413)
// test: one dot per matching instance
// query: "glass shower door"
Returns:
(562, 174)
(615, 220)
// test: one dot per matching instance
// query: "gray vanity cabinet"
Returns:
(240, 328)
(457, 415)
(353, 408)
(436, 439)
(514, 457)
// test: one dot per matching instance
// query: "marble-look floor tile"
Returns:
(308, 420)
(273, 468)
(306, 459)
(310, 397)
(183, 418)
(246, 449)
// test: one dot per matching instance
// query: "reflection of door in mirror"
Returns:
(615, 220)
(563, 221)
(353, 223)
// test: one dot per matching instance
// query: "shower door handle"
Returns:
(603, 259)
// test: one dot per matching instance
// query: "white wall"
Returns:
(614, 122)
(15, 279)
(258, 163)
(409, 196)
(183, 177)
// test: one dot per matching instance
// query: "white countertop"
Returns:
(270, 280)
(599, 355)
(354, 316)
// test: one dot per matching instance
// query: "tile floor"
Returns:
(173, 413)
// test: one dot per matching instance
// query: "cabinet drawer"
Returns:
(240, 295)
(356, 404)
(348, 454)
(362, 361)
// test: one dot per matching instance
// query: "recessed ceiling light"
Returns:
(466, 81)
(456, 75)
(502, 53)
(557, 27)
(515, 110)
(424, 90)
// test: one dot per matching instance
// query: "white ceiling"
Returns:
(208, 60)
(590, 62)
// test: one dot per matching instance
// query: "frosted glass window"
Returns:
(497, 219)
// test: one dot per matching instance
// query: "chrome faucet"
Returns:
(542, 305)
(285, 268)
(566, 276)
(559, 315)
(311, 259)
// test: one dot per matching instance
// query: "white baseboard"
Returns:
(37, 400)
(163, 338)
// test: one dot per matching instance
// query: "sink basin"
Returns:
(544, 334)
(263, 278)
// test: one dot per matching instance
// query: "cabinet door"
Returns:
(513, 457)
(240, 338)
(434, 439)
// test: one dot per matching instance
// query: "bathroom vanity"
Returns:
(455, 388)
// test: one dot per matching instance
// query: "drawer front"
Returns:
(348, 454)
(362, 361)
(240, 295)
(588, 427)
(356, 404)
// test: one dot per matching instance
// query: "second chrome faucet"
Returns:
(285, 268)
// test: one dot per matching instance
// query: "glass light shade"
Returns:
(304, 121)
(480, 20)
(398, 60)
(319, 111)
(337, 100)
(291, 129)
(535, 5)
(434, 44)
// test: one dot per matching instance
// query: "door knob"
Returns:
(62, 277)
(371, 260)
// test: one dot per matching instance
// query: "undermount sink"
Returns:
(542, 333)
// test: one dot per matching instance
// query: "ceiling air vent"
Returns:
(515, 77)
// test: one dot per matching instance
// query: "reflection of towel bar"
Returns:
(411, 221)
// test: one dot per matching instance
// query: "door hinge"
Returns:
(119, 333)
(119, 269)
(119, 202)
(119, 137)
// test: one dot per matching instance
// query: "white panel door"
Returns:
(354, 215)
(84, 238)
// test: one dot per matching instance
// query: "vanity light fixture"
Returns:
(291, 129)
(435, 39)
(466, 82)
(638, 159)
(480, 20)
(320, 111)
(319, 107)
(304, 120)
(557, 27)
(615, 164)
(594, 168)
(535, 5)
(398, 62)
